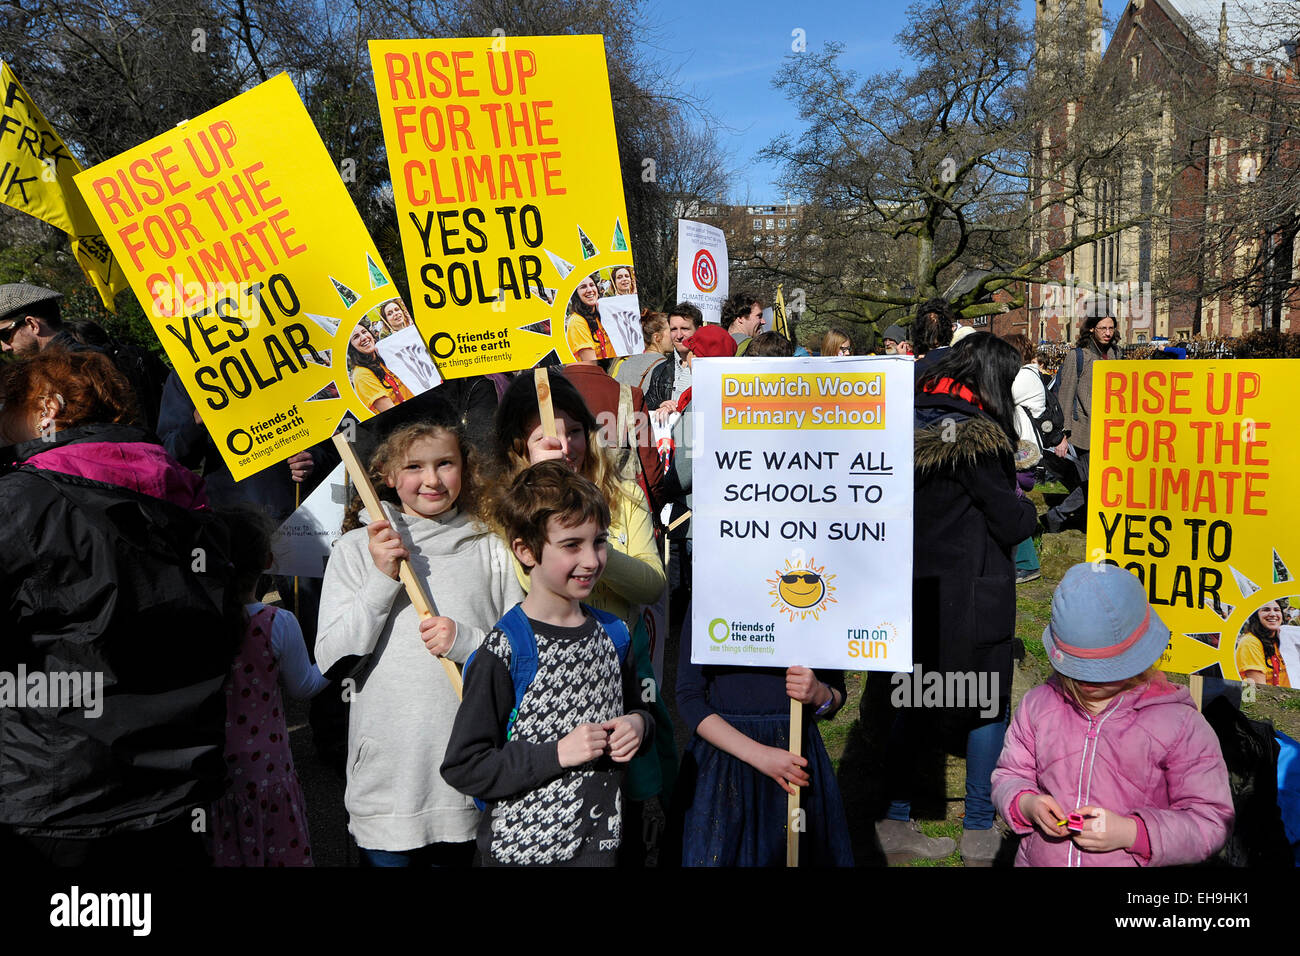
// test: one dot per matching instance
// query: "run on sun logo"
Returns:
(802, 589)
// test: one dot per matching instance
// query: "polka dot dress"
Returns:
(261, 819)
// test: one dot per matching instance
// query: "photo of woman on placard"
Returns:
(624, 280)
(374, 382)
(582, 329)
(1259, 655)
(394, 314)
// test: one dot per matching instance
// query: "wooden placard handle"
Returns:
(792, 801)
(420, 599)
(545, 410)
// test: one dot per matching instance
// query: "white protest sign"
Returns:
(803, 512)
(301, 546)
(702, 274)
(405, 355)
(620, 317)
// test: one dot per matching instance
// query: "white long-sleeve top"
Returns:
(1027, 393)
(299, 677)
(403, 705)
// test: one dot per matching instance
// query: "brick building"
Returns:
(748, 227)
(1180, 60)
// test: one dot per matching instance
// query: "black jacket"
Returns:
(143, 370)
(968, 518)
(97, 578)
(660, 388)
(271, 489)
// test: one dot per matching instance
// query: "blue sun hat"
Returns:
(1102, 627)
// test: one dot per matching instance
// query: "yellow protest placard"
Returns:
(259, 277)
(1191, 488)
(509, 196)
(36, 177)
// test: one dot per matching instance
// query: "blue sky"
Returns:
(728, 52)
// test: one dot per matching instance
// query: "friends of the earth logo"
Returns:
(801, 589)
(742, 637)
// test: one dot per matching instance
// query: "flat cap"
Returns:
(17, 296)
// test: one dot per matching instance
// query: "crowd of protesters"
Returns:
(541, 551)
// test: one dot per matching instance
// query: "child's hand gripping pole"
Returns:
(792, 827)
(414, 587)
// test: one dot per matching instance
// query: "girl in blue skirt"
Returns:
(738, 768)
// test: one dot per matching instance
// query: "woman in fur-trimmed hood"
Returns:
(969, 514)
(969, 510)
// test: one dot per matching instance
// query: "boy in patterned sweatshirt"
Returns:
(549, 768)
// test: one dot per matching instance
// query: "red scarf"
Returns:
(947, 386)
(390, 382)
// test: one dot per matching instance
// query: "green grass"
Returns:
(835, 733)
(1280, 705)
(1290, 702)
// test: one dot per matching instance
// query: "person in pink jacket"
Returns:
(1108, 763)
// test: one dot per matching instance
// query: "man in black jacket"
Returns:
(30, 322)
(669, 379)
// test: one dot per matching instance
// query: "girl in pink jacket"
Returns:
(1109, 764)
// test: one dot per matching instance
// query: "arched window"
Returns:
(1105, 259)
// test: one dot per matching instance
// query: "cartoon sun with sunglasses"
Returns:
(802, 589)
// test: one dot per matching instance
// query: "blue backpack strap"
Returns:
(523, 657)
(616, 629)
(523, 664)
